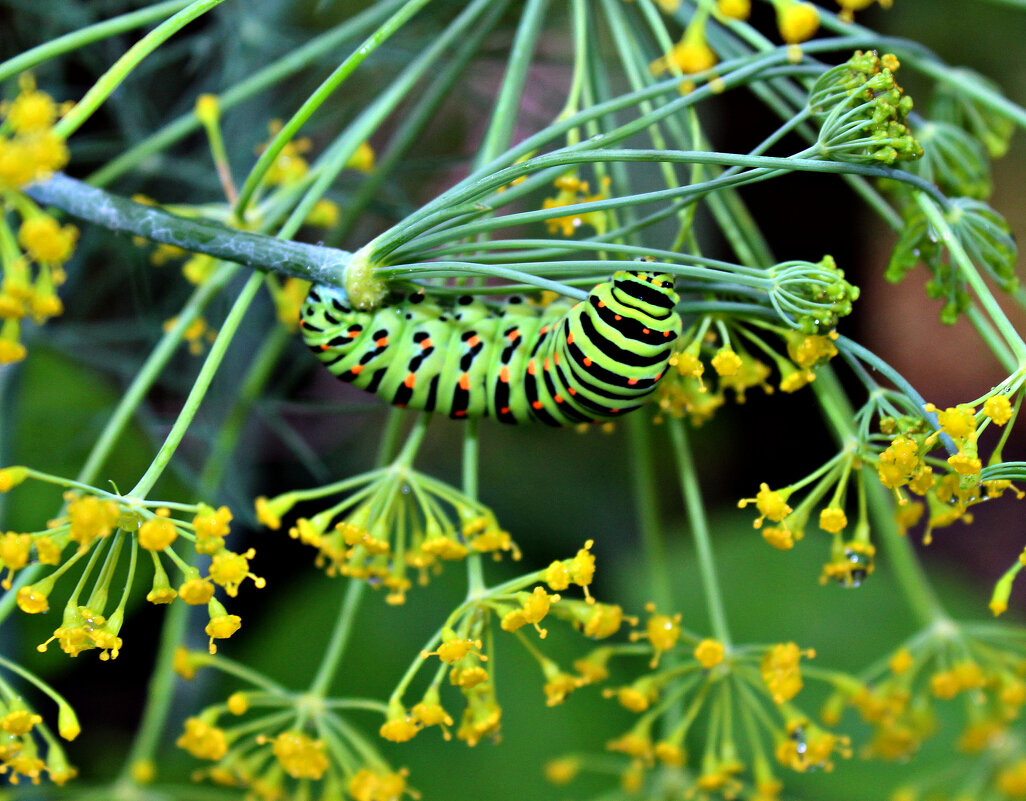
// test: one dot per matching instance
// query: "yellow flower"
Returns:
(709, 653)
(832, 519)
(901, 661)
(959, 422)
(363, 159)
(32, 600)
(734, 9)
(195, 590)
(797, 21)
(998, 408)
(400, 726)
(604, 620)
(302, 757)
(781, 672)
(772, 505)
(221, 625)
(562, 770)
(726, 362)
(324, 214)
(11, 477)
(14, 554)
(90, 518)
(229, 570)
(157, 533)
(964, 464)
(202, 740)
(46, 241)
(779, 537)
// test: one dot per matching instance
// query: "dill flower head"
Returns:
(99, 523)
(397, 522)
(863, 112)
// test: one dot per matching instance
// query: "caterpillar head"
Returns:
(642, 282)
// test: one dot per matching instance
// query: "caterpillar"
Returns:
(562, 364)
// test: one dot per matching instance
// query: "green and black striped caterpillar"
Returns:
(559, 365)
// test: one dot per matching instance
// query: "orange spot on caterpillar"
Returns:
(557, 398)
(569, 339)
(324, 347)
(666, 333)
(645, 331)
(602, 304)
(544, 330)
(631, 382)
(555, 358)
(427, 343)
(504, 374)
(352, 334)
(356, 369)
(587, 361)
(571, 390)
(474, 341)
(460, 413)
(410, 380)
(545, 364)
(614, 411)
(531, 369)
(302, 322)
(464, 381)
(658, 376)
(617, 317)
(381, 343)
(513, 335)
(536, 404)
(504, 410)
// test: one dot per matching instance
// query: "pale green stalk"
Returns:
(122, 68)
(319, 96)
(261, 79)
(968, 270)
(87, 35)
(694, 504)
(199, 388)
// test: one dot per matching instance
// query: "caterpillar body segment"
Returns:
(563, 364)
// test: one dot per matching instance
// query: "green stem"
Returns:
(321, 94)
(471, 450)
(199, 389)
(261, 79)
(912, 580)
(646, 503)
(339, 638)
(88, 35)
(123, 67)
(253, 385)
(33, 680)
(257, 251)
(692, 493)
(973, 277)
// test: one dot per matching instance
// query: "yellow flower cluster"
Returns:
(899, 699)
(573, 191)
(282, 758)
(31, 261)
(30, 150)
(20, 750)
(768, 676)
(684, 390)
(468, 667)
(395, 511)
(907, 466)
(290, 166)
(95, 519)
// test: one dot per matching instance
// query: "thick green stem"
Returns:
(695, 506)
(257, 251)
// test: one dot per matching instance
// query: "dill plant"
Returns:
(251, 150)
